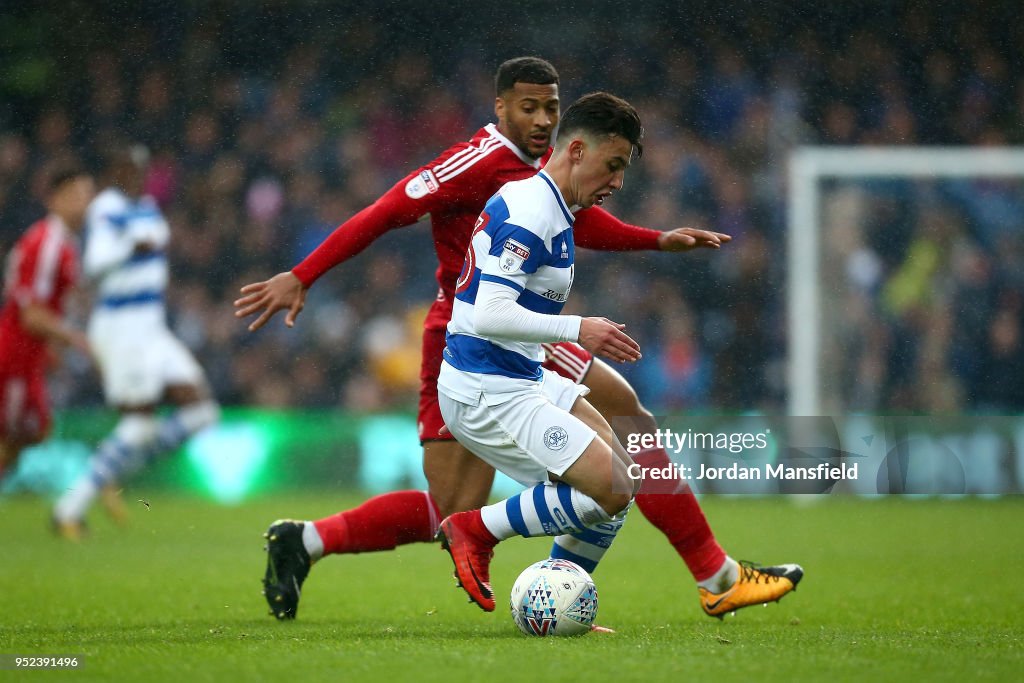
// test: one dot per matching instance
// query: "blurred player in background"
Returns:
(41, 269)
(142, 363)
(452, 190)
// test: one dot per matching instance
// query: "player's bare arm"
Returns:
(41, 321)
(686, 239)
(607, 339)
(284, 291)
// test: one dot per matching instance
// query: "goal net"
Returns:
(904, 277)
(906, 298)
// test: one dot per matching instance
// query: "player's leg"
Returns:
(117, 456)
(677, 515)
(546, 442)
(194, 410)
(8, 456)
(130, 387)
(455, 476)
(10, 450)
(138, 374)
(12, 399)
(673, 509)
(24, 416)
(457, 480)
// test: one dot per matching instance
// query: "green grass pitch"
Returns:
(895, 589)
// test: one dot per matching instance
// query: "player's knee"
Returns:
(615, 502)
(635, 486)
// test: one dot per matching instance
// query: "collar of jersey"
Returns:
(493, 130)
(558, 195)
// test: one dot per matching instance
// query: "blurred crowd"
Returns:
(271, 123)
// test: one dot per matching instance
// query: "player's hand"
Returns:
(283, 291)
(605, 338)
(78, 340)
(685, 239)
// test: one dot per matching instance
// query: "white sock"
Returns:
(119, 455)
(177, 427)
(724, 578)
(76, 500)
(543, 510)
(311, 540)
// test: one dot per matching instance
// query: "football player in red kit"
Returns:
(452, 190)
(41, 268)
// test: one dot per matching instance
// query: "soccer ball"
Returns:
(554, 598)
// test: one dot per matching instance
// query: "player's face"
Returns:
(599, 168)
(527, 116)
(71, 200)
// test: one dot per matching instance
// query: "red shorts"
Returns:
(24, 407)
(566, 358)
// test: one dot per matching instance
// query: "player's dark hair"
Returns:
(602, 114)
(63, 173)
(524, 70)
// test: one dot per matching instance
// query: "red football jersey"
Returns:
(453, 189)
(41, 268)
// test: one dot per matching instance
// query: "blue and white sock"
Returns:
(587, 547)
(177, 427)
(136, 440)
(543, 510)
(120, 454)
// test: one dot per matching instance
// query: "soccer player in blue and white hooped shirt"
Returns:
(532, 424)
(142, 363)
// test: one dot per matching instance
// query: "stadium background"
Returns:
(273, 122)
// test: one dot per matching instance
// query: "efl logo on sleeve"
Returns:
(513, 256)
(421, 185)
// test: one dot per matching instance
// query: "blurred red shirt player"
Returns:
(41, 269)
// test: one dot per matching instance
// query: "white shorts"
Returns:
(526, 436)
(138, 362)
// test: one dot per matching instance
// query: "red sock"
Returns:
(381, 523)
(671, 507)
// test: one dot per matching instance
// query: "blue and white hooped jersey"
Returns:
(522, 240)
(115, 224)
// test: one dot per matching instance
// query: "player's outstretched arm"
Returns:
(606, 338)
(685, 239)
(284, 291)
(595, 228)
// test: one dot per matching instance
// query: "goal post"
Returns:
(808, 168)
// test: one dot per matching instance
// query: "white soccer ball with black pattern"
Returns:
(554, 598)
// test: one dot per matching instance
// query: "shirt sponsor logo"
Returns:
(555, 296)
(513, 256)
(421, 185)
